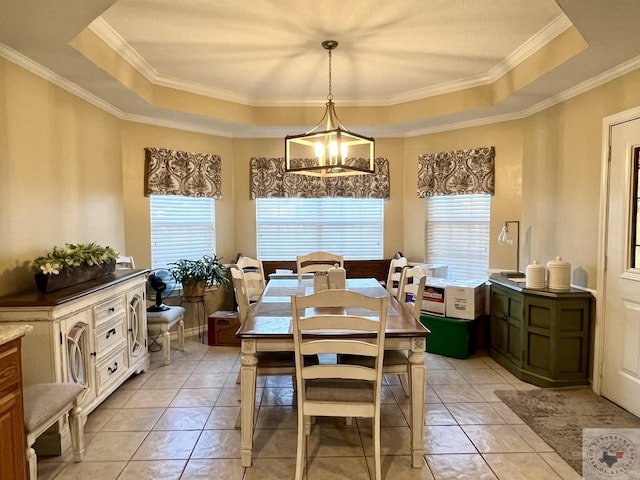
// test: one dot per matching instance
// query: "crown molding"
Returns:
(554, 28)
(266, 132)
(113, 39)
(585, 86)
(43, 72)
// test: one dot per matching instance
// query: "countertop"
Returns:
(543, 292)
(8, 333)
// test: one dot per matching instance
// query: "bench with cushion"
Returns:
(159, 323)
(44, 405)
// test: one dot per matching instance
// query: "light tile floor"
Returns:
(177, 422)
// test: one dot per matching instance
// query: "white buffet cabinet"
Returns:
(94, 333)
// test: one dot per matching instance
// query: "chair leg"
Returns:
(301, 453)
(376, 447)
(404, 381)
(238, 418)
(308, 420)
(32, 460)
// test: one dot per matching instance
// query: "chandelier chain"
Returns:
(330, 96)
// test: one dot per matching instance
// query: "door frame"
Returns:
(598, 344)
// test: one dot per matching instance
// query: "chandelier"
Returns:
(329, 149)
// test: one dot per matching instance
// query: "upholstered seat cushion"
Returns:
(339, 390)
(169, 317)
(391, 358)
(282, 359)
(42, 401)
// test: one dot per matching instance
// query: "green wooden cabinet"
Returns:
(540, 336)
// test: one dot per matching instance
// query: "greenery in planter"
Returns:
(208, 270)
(73, 256)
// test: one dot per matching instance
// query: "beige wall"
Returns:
(245, 209)
(505, 204)
(562, 173)
(69, 172)
(60, 174)
(135, 138)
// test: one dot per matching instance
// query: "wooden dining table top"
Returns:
(271, 316)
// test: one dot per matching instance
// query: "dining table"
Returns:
(268, 329)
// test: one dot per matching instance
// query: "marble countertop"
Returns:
(8, 333)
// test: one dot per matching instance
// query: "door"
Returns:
(621, 342)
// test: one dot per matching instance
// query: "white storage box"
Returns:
(465, 299)
(433, 300)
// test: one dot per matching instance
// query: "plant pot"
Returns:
(72, 276)
(193, 293)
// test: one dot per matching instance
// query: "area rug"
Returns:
(558, 416)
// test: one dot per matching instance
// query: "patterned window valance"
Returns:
(268, 180)
(172, 172)
(459, 172)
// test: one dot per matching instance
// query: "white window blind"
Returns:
(287, 227)
(457, 234)
(181, 227)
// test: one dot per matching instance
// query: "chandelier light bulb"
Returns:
(344, 149)
(333, 148)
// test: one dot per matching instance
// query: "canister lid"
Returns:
(558, 262)
(535, 266)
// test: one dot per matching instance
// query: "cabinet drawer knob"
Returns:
(113, 370)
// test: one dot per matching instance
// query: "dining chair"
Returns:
(124, 262)
(269, 363)
(253, 275)
(410, 292)
(411, 289)
(330, 388)
(396, 265)
(397, 361)
(317, 262)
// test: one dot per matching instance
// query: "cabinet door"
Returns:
(12, 437)
(515, 313)
(498, 328)
(79, 357)
(137, 323)
(12, 453)
(506, 324)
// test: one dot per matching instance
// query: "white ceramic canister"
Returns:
(558, 274)
(337, 277)
(320, 281)
(535, 275)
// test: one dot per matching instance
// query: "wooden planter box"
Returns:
(72, 276)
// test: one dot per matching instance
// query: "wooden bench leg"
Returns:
(166, 346)
(76, 426)
(32, 460)
(181, 335)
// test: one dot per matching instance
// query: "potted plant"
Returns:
(196, 275)
(72, 264)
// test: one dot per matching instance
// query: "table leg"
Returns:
(248, 373)
(418, 372)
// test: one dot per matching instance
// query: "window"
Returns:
(181, 227)
(287, 227)
(457, 234)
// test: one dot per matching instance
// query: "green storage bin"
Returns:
(452, 337)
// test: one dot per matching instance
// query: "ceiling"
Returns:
(257, 68)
